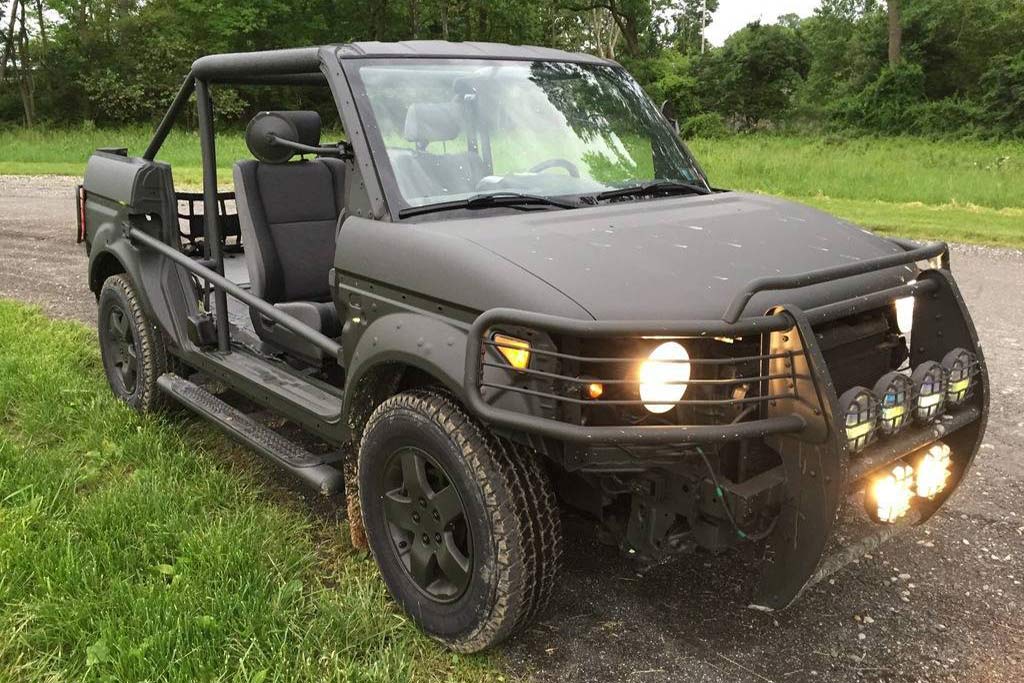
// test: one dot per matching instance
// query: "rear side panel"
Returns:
(123, 192)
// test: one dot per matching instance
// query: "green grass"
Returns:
(139, 548)
(954, 190)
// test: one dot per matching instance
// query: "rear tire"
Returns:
(464, 526)
(133, 351)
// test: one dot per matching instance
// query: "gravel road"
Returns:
(942, 603)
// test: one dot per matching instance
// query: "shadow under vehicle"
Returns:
(511, 288)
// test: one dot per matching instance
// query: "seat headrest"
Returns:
(298, 126)
(428, 122)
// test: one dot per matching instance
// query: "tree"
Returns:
(895, 31)
(757, 72)
(693, 17)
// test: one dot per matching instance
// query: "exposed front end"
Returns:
(750, 428)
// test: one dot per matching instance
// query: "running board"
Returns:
(315, 470)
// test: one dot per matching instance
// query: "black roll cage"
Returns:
(299, 66)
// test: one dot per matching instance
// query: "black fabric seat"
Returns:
(425, 174)
(288, 214)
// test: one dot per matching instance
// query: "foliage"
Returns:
(1003, 94)
(756, 73)
(960, 72)
(706, 126)
(886, 104)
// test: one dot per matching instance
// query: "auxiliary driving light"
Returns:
(895, 392)
(933, 470)
(889, 495)
(860, 416)
(904, 314)
(663, 377)
(930, 386)
(959, 364)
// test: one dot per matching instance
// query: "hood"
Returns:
(680, 258)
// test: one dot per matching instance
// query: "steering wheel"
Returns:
(556, 163)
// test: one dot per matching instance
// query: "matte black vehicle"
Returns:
(510, 289)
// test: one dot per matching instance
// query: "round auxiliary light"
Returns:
(888, 495)
(860, 417)
(895, 393)
(932, 471)
(663, 377)
(930, 390)
(959, 364)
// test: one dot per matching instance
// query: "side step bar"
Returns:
(315, 470)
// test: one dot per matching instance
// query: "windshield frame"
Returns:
(394, 199)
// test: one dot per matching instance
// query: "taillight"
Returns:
(81, 214)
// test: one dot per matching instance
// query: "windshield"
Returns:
(445, 131)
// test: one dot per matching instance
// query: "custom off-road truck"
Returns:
(508, 289)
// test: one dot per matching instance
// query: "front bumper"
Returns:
(796, 413)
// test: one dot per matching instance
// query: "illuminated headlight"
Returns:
(930, 387)
(895, 393)
(860, 416)
(889, 494)
(663, 377)
(959, 365)
(933, 470)
(904, 314)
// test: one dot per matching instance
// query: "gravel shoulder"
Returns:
(941, 603)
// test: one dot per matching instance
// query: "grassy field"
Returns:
(959, 191)
(144, 549)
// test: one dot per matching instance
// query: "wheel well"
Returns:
(381, 383)
(104, 265)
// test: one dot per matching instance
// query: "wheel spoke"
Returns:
(446, 502)
(452, 562)
(119, 324)
(128, 374)
(398, 511)
(414, 475)
(420, 556)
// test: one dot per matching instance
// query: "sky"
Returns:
(733, 15)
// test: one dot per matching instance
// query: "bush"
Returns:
(707, 125)
(943, 118)
(886, 104)
(1003, 95)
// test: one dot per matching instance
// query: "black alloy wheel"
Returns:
(463, 525)
(428, 524)
(123, 349)
(133, 351)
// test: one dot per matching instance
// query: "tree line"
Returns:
(926, 67)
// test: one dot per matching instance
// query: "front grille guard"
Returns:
(788, 399)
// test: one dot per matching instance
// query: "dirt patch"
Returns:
(941, 603)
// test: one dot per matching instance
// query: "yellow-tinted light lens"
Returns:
(893, 413)
(515, 351)
(905, 314)
(891, 493)
(932, 471)
(595, 390)
(663, 377)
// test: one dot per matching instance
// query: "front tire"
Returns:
(133, 351)
(464, 526)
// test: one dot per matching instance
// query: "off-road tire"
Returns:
(151, 356)
(507, 498)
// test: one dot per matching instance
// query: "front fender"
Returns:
(431, 344)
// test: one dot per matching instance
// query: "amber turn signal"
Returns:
(515, 351)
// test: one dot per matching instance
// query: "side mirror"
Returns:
(668, 110)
